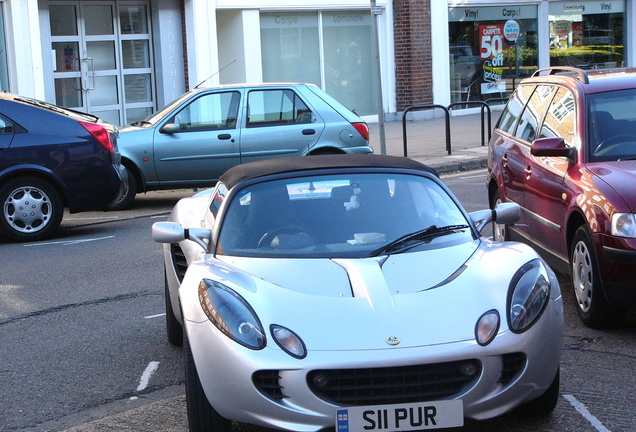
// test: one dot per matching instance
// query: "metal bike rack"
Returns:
(422, 107)
(485, 105)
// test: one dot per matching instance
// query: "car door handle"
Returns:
(309, 131)
(224, 136)
(504, 160)
(528, 172)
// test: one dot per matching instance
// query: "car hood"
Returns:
(620, 176)
(423, 298)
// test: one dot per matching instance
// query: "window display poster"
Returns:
(491, 41)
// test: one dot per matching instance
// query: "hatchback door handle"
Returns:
(309, 131)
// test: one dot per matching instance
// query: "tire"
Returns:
(32, 209)
(174, 329)
(128, 194)
(500, 232)
(201, 416)
(591, 304)
(545, 403)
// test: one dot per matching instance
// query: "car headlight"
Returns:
(231, 314)
(528, 295)
(289, 341)
(624, 225)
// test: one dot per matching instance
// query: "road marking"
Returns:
(90, 218)
(582, 409)
(155, 316)
(68, 242)
(145, 377)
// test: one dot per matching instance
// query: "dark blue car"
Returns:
(52, 158)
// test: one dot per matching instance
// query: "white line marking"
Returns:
(145, 377)
(68, 242)
(582, 409)
(91, 218)
(155, 316)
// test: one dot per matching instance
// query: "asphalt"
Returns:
(164, 410)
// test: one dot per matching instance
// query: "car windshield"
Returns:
(612, 126)
(156, 117)
(355, 215)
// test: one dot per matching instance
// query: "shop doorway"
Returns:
(102, 58)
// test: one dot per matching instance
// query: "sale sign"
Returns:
(491, 38)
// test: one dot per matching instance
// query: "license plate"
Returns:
(401, 417)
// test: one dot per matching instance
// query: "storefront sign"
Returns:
(491, 13)
(586, 7)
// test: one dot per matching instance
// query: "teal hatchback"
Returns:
(196, 138)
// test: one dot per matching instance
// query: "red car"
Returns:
(564, 149)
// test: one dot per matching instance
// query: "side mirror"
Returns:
(552, 147)
(171, 128)
(504, 213)
(173, 232)
(168, 232)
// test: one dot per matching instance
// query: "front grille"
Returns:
(512, 364)
(179, 260)
(391, 385)
(267, 382)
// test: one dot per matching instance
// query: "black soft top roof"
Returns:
(252, 170)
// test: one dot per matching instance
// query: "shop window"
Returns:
(588, 35)
(293, 45)
(491, 48)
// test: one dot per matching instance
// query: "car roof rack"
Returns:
(580, 74)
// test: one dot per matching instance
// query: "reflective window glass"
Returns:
(534, 112)
(561, 117)
(209, 112)
(63, 20)
(587, 34)
(133, 19)
(491, 49)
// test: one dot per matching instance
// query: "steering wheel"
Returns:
(613, 141)
(304, 241)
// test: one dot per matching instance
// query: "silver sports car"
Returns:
(355, 292)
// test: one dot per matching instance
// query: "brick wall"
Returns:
(413, 62)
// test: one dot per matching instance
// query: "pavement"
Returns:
(164, 410)
(426, 141)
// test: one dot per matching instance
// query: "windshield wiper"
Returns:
(408, 241)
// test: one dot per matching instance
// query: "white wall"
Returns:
(201, 39)
(24, 48)
(239, 46)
